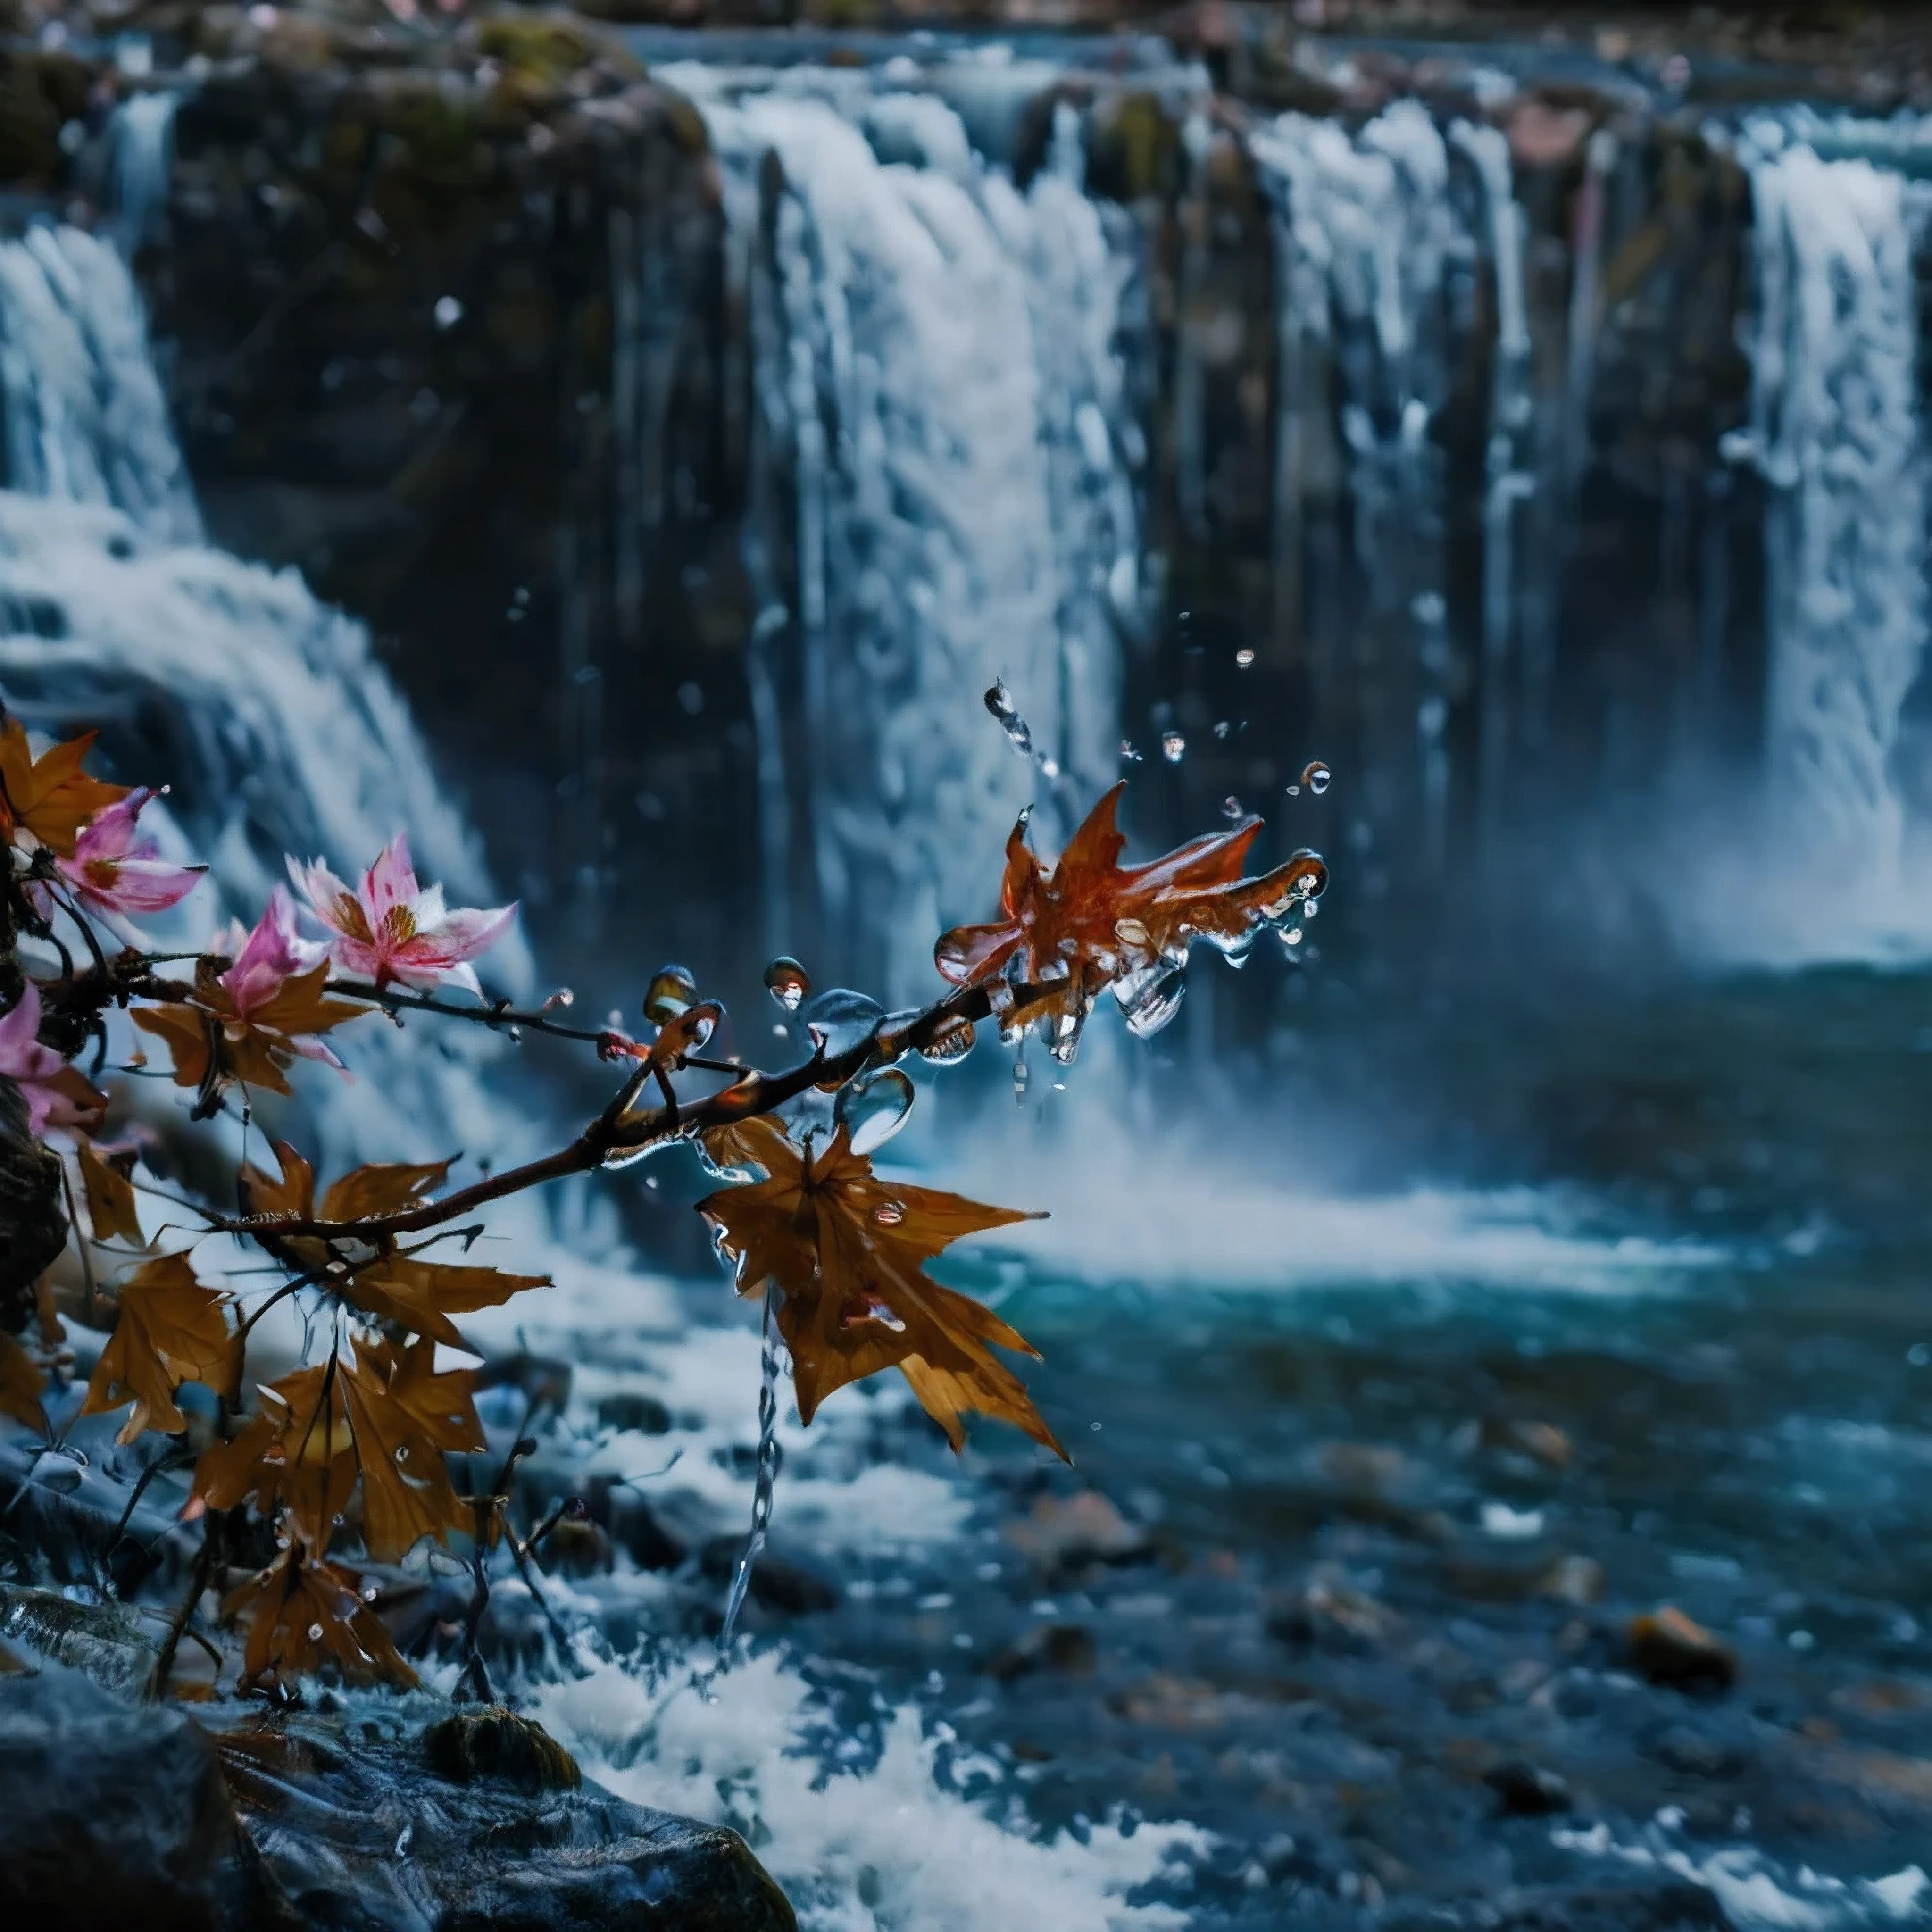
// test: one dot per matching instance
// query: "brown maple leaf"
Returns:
(110, 1198)
(1068, 931)
(301, 1613)
(171, 1330)
(848, 1250)
(20, 1384)
(295, 1456)
(49, 797)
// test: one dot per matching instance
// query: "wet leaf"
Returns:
(171, 1330)
(21, 1382)
(422, 1295)
(295, 1455)
(300, 1612)
(49, 796)
(382, 1190)
(848, 1251)
(110, 1199)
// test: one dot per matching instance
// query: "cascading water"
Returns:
(941, 397)
(1838, 435)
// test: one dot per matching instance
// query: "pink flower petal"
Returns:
(273, 954)
(468, 931)
(389, 883)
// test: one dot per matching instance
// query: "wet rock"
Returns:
(113, 1814)
(1332, 1615)
(1672, 1906)
(1539, 1442)
(1069, 1648)
(359, 1830)
(1695, 1753)
(632, 1409)
(576, 1547)
(1575, 1579)
(1067, 1533)
(1670, 1649)
(1527, 1790)
(779, 1583)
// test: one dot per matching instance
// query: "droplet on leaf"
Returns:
(672, 990)
(889, 1214)
(1149, 998)
(953, 1041)
(1173, 747)
(839, 1018)
(315, 1633)
(873, 1111)
(1316, 775)
(1132, 932)
(1000, 703)
(787, 983)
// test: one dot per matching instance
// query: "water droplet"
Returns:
(563, 997)
(1292, 937)
(1128, 753)
(402, 1452)
(1244, 657)
(1000, 703)
(787, 983)
(839, 1018)
(873, 1111)
(953, 1041)
(1295, 791)
(1131, 932)
(672, 990)
(1315, 776)
(1021, 1078)
(889, 1214)
(1309, 871)
(1173, 747)
(1049, 768)
(1150, 998)
(315, 1633)
(1066, 1041)
(1230, 807)
(1221, 728)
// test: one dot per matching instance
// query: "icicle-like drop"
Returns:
(771, 1455)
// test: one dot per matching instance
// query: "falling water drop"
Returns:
(315, 1633)
(1000, 703)
(953, 1041)
(1021, 1077)
(1295, 791)
(1128, 753)
(1315, 776)
(1244, 657)
(1173, 747)
(1222, 727)
(770, 1456)
(1291, 936)
(889, 1214)
(872, 1111)
(672, 990)
(787, 982)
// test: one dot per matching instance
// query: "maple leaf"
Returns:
(1070, 930)
(848, 1250)
(110, 1199)
(20, 1383)
(171, 1330)
(295, 1455)
(422, 1295)
(300, 1612)
(49, 798)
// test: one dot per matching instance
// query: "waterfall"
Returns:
(947, 458)
(85, 420)
(263, 709)
(1368, 236)
(1838, 434)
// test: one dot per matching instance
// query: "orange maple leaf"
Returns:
(848, 1251)
(49, 797)
(110, 1198)
(171, 1330)
(1068, 931)
(20, 1384)
(301, 1613)
(296, 1455)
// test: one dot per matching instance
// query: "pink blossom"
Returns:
(53, 1089)
(118, 869)
(265, 961)
(389, 927)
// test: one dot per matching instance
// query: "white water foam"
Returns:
(895, 1848)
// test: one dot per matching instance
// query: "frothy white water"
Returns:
(940, 399)
(85, 419)
(892, 1848)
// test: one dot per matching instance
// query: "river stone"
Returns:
(113, 1813)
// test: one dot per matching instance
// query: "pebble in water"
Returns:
(1000, 703)
(952, 1042)
(1173, 747)
(672, 990)
(1316, 775)
(787, 983)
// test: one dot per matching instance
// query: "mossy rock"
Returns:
(494, 1743)
(549, 48)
